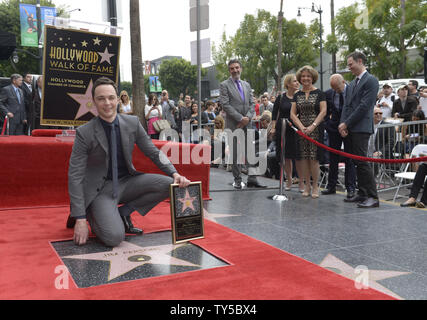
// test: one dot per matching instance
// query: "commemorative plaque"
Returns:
(186, 212)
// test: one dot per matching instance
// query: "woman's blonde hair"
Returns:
(309, 69)
(220, 119)
(288, 79)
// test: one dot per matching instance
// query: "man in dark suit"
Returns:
(405, 105)
(27, 89)
(12, 104)
(357, 125)
(335, 99)
(237, 102)
(101, 174)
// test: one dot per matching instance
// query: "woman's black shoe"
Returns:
(408, 204)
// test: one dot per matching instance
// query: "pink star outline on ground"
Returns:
(85, 101)
(356, 274)
(128, 256)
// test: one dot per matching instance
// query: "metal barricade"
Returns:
(210, 126)
(395, 140)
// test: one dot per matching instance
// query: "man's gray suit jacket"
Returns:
(90, 157)
(232, 102)
(9, 103)
(358, 111)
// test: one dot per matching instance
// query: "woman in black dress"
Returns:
(282, 110)
(308, 112)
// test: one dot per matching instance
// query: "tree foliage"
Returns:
(10, 21)
(255, 44)
(179, 76)
(383, 36)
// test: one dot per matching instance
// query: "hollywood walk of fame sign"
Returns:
(186, 212)
(73, 60)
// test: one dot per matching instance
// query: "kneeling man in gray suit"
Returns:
(101, 175)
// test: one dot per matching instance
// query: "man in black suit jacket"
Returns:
(27, 89)
(12, 104)
(405, 105)
(335, 99)
(357, 124)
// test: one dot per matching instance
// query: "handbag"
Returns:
(161, 124)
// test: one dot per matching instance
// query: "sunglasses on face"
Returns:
(376, 113)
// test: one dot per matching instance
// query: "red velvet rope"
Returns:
(355, 157)
(4, 125)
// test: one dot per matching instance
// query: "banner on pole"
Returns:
(28, 19)
(73, 60)
(155, 85)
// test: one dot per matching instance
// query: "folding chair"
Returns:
(406, 174)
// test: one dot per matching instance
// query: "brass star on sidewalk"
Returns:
(128, 256)
(340, 267)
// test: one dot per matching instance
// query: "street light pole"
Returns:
(39, 33)
(279, 51)
(318, 10)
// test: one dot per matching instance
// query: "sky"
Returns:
(165, 26)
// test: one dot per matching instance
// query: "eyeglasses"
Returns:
(378, 113)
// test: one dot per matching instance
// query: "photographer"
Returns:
(168, 109)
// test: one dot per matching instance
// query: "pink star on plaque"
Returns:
(105, 56)
(187, 201)
(85, 101)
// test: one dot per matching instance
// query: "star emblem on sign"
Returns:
(85, 101)
(96, 41)
(128, 256)
(187, 201)
(105, 56)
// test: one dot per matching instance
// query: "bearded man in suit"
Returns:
(12, 104)
(357, 125)
(238, 104)
(101, 175)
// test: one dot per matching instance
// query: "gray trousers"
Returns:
(141, 193)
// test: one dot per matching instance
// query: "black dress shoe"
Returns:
(350, 194)
(71, 222)
(129, 228)
(406, 204)
(369, 203)
(355, 198)
(255, 185)
(329, 191)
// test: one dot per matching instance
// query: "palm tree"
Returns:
(138, 91)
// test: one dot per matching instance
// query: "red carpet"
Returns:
(257, 271)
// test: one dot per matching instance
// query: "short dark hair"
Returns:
(357, 55)
(419, 114)
(101, 81)
(414, 83)
(234, 61)
(209, 103)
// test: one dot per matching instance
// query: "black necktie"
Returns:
(341, 100)
(357, 81)
(114, 170)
